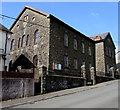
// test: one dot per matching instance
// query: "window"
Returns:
(33, 18)
(106, 50)
(83, 47)
(66, 40)
(89, 49)
(35, 62)
(23, 42)
(19, 43)
(66, 61)
(83, 63)
(75, 44)
(36, 36)
(17, 26)
(12, 44)
(109, 52)
(75, 63)
(27, 40)
(113, 55)
(26, 18)
(90, 65)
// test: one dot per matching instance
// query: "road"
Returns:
(105, 96)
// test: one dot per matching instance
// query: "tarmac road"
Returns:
(105, 96)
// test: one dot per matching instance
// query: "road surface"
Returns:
(105, 96)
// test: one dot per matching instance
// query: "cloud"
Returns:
(94, 14)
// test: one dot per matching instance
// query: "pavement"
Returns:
(33, 99)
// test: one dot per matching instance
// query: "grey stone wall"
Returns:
(100, 59)
(41, 49)
(110, 59)
(54, 83)
(16, 88)
(58, 50)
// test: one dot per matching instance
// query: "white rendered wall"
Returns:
(2, 46)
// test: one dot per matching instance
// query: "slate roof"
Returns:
(4, 28)
(99, 37)
(48, 16)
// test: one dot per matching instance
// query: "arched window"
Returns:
(83, 47)
(65, 40)
(27, 40)
(89, 50)
(36, 37)
(10, 65)
(12, 44)
(75, 44)
(35, 62)
(23, 42)
(19, 43)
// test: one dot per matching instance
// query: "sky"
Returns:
(88, 18)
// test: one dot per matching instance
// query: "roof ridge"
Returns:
(2, 27)
(29, 7)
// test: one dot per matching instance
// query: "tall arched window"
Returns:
(12, 44)
(19, 43)
(65, 40)
(10, 65)
(83, 47)
(35, 62)
(27, 40)
(36, 37)
(23, 42)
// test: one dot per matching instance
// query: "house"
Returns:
(118, 59)
(49, 42)
(105, 54)
(4, 48)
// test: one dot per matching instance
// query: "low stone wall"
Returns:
(100, 79)
(55, 83)
(16, 87)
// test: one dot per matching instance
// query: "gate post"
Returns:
(83, 71)
(92, 74)
(43, 79)
(112, 71)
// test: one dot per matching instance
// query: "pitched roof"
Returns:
(4, 28)
(47, 15)
(30, 8)
(99, 37)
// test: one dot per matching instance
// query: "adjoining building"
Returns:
(105, 54)
(4, 47)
